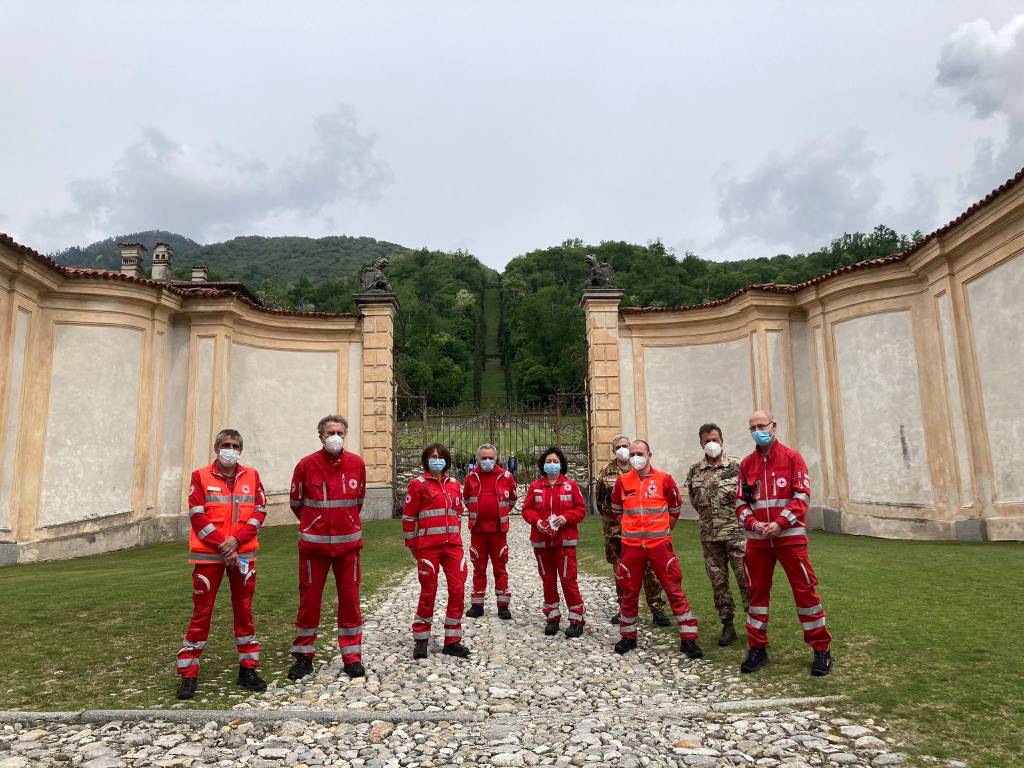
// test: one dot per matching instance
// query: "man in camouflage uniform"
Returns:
(711, 483)
(619, 465)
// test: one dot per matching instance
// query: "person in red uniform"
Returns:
(553, 507)
(226, 508)
(489, 494)
(772, 497)
(327, 494)
(432, 530)
(648, 503)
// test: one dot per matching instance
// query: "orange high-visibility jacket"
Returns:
(216, 512)
(648, 506)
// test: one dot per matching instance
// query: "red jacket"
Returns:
(782, 493)
(238, 509)
(504, 488)
(327, 498)
(430, 517)
(544, 499)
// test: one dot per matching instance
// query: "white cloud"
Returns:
(215, 192)
(800, 201)
(984, 68)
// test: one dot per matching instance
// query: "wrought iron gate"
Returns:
(520, 430)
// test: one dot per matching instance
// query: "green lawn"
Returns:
(103, 631)
(925, 636)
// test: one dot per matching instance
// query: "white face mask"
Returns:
(333, 444)
(712, 449)
(228, 456)
(622, 453)
(638, 462)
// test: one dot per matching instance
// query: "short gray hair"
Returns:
(620, 437)
(333, 417)
(227, 433)
(487, 447)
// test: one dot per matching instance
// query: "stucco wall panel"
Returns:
(173, 422)
(779, 394)
(806, 406)
(89, 460)
(626, 389)
(880, 400)
(9, 444)
(690, 385)
(277, 398)
(997, 323)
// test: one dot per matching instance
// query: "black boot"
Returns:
(822, 663)
(475, 611)
(625, 645)
(355, 669)
(248, 679)
(187, 687)
(691, 649)
(574, 630)
(756, 658)
(456, 649)
(303, 666)
(551, 628)
(419, 649)
(616, 618)
(504, 613)
(728, 634)
(659, 617)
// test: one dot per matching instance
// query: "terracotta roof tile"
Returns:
(869, 264)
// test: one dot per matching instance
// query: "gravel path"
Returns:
(521, 699)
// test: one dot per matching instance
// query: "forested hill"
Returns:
(251, 259)
(453, 307)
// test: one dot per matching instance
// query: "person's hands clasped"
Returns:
(559, 522)
(771, 530)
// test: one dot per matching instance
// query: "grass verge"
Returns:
(103, 631)
(924, 633)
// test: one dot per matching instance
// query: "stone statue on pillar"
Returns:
(601, 273)
(372, 277)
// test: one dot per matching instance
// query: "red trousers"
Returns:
(206, 579)
(313, 571)
(630, 575)
(493, 547)
(429, 564)
(559, 564)
(760, 565)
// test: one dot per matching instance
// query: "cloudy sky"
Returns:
(730, 129)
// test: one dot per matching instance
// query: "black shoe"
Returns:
(660, 619)
(691, 649)
(187, 687)
(475, 611)
(574, 630)
(419, 649)
(504, 613)
(354, 669)
(728, 635)
(616, 619)
(625, 645)
(756, 658)
(551, 628)
(456, 649)
(248, 679)
(303, 666)
(822, 663)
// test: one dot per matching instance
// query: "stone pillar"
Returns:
(131, 258)
(200, 273)
(378, 309)
(601, 307)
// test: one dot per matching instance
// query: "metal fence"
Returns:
(520, 430)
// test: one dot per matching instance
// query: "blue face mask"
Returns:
(763, 438)
(436, 465)
(487, 465)
(552, 468)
